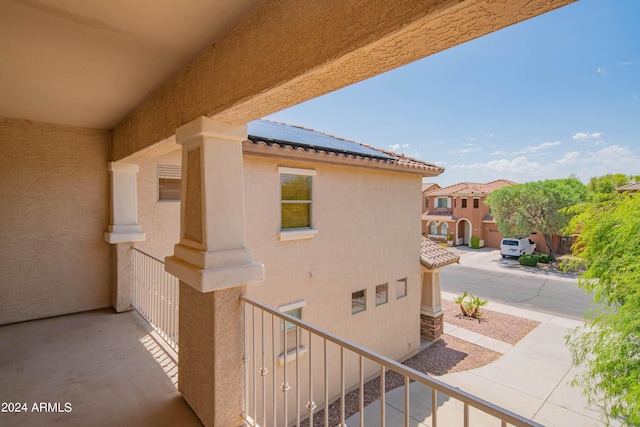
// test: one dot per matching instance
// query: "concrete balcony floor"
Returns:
(95, 368)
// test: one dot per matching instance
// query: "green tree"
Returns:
(607, 184)
(535, 206)
(609, 344)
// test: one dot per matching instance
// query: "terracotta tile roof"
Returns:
(471, 188)
(432, 255)
(438, 216)
(488, 218)
(428, 186)
(349, 150)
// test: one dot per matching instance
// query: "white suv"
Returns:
(516, 246)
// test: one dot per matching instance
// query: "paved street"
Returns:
(486, 274)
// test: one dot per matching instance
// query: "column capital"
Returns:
(206, 127)
(123, 167)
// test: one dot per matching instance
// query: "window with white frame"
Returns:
(358, 301)
(433, 228)
(169, 182)
(382, 294)
(401, 288)
(296, 202)
(443, 202)
(288, 329)
(444, 227)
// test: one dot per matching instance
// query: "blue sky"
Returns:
(549, 97)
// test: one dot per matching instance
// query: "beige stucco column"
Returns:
(214, 266)
(431, 311)
(123, 231)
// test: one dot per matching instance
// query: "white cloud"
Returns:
(499, 153)
(396, 147)
(623, 64)
(467, 150)
(584, 136)
(602, 71)
(502, 166)
(612, 152)
(536, 148)
(568, 158)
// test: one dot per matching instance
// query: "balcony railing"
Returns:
(156, 295)
(289, 369)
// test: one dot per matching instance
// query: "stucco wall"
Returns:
(55, 208)
(159, 220)
(368, 226)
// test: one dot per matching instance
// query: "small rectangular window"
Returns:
(169, 182)
(358, 301)
(293, 309)
(426, 202)
(382, 292)
(476, 203)
(401, 288)
(464, 203)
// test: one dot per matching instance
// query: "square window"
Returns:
(297, 313)
(358, 301)
(476, 203)
(443, 202)
(401, 288)
(382, 293)
(464, 203)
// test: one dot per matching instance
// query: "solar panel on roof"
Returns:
(270, 131)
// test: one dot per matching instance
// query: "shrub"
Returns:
(544, 258)
(529, 260)
(475, 242)
(449, 236)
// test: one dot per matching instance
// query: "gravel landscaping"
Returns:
(500, 326)
(447, 355)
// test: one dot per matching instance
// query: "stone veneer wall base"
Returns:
(431, 328)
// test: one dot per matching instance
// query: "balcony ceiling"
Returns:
(90, 63)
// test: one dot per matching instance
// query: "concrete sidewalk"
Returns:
(530, 379)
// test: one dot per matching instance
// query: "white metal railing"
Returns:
(327, 359)
(156, 295)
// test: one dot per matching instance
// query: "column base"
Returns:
(431, 328)
(231, 269)
(122, 279)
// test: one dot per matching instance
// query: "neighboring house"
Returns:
(336, 225)
(633, 188)
(426, 187)
(459, 210)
